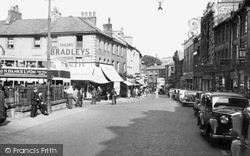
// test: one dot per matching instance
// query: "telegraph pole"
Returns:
(48, 100)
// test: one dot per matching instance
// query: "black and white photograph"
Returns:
(124, 78)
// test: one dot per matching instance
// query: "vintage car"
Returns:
(241, 129)
(181, 94)
(198, 97)
(217, 111)
(189, 97)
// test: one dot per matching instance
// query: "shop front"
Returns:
(88, 75)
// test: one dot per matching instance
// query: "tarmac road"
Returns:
(134, 127)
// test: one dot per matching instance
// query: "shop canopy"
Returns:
(88, 72)
(111, 73)
(141, 82)
(128, 83)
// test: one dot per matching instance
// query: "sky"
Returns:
(155, 32)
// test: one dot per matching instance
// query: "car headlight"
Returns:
(224, 119)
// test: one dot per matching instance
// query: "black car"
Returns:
(241, 122)
(216, 116)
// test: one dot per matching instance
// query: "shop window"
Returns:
(37, 42)
(10, 42)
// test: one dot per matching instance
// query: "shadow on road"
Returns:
(159, 133)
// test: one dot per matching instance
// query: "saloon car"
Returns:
(189, 97)
(216, 117)
(241, 129)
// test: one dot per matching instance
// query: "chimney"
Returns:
(90, 16)
(55, 14)
(108, 27)
(13, 14)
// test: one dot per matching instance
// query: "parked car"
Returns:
(181, 94)
(216, 117)
(189, 97)
(198, 97)
(241, 129)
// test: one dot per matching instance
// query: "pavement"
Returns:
(12, 125)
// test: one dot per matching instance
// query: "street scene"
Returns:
(144, 126)
(130, 78)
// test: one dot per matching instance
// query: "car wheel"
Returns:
(183, 104)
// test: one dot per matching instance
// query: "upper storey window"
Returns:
(10, 42)
(37, 42)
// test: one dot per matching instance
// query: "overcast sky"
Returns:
(154, 32)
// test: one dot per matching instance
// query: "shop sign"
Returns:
(23, 71)
(69, 52)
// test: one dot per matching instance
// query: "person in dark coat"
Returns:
(42, 106)
(34, 102)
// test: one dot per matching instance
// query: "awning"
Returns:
(128, 83)
(98, 76)
(111, 73)
(141, 82)
(88, 72)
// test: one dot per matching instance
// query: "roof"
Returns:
(225, 94)
(40, 26)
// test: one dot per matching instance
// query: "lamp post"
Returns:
(48, 100)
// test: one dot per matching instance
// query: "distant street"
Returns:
(133, 127)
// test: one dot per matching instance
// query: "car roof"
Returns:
(225, 94)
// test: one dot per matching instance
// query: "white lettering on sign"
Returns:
(67, 52)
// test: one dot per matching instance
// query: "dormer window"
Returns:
(37, 42)
(10, 42)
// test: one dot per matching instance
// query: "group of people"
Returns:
(137, 93)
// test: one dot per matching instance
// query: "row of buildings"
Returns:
(75, 39)
(218, 57)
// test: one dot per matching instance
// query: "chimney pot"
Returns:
(90, 14)
(109, 20)
(86, 14)
(94, 13)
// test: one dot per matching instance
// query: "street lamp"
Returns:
(160, 1)
(48, 100)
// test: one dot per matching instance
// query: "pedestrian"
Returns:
(99, 93)
(113, 95)
(94, 95)
(79, 98)
(34, 102)
(69, 92)
(146, 92)
(129, 93)
(42, 106)
(156, 93)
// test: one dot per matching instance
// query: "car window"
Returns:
(223, 101)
